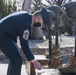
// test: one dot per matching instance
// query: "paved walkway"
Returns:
(4, 65)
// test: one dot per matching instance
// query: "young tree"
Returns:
(2, 8)
(7, 7)
(14, 6)
(27, 5)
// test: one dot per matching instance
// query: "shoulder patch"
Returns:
(26, 34)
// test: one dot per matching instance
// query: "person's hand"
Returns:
(37, 65)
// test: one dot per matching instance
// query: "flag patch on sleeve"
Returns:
(26, 34)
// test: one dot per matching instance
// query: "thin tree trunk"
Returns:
(27, 5)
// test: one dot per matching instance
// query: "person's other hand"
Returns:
(37, 65)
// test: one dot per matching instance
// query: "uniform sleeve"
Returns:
(24, 45)
(15, 39)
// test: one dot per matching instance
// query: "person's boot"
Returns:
(55, 52)
(74, 65)
(70, 67)
(55, 60)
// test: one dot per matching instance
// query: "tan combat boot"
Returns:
(70, 67)
(56, 59)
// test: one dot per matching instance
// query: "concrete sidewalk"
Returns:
(4, 65)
